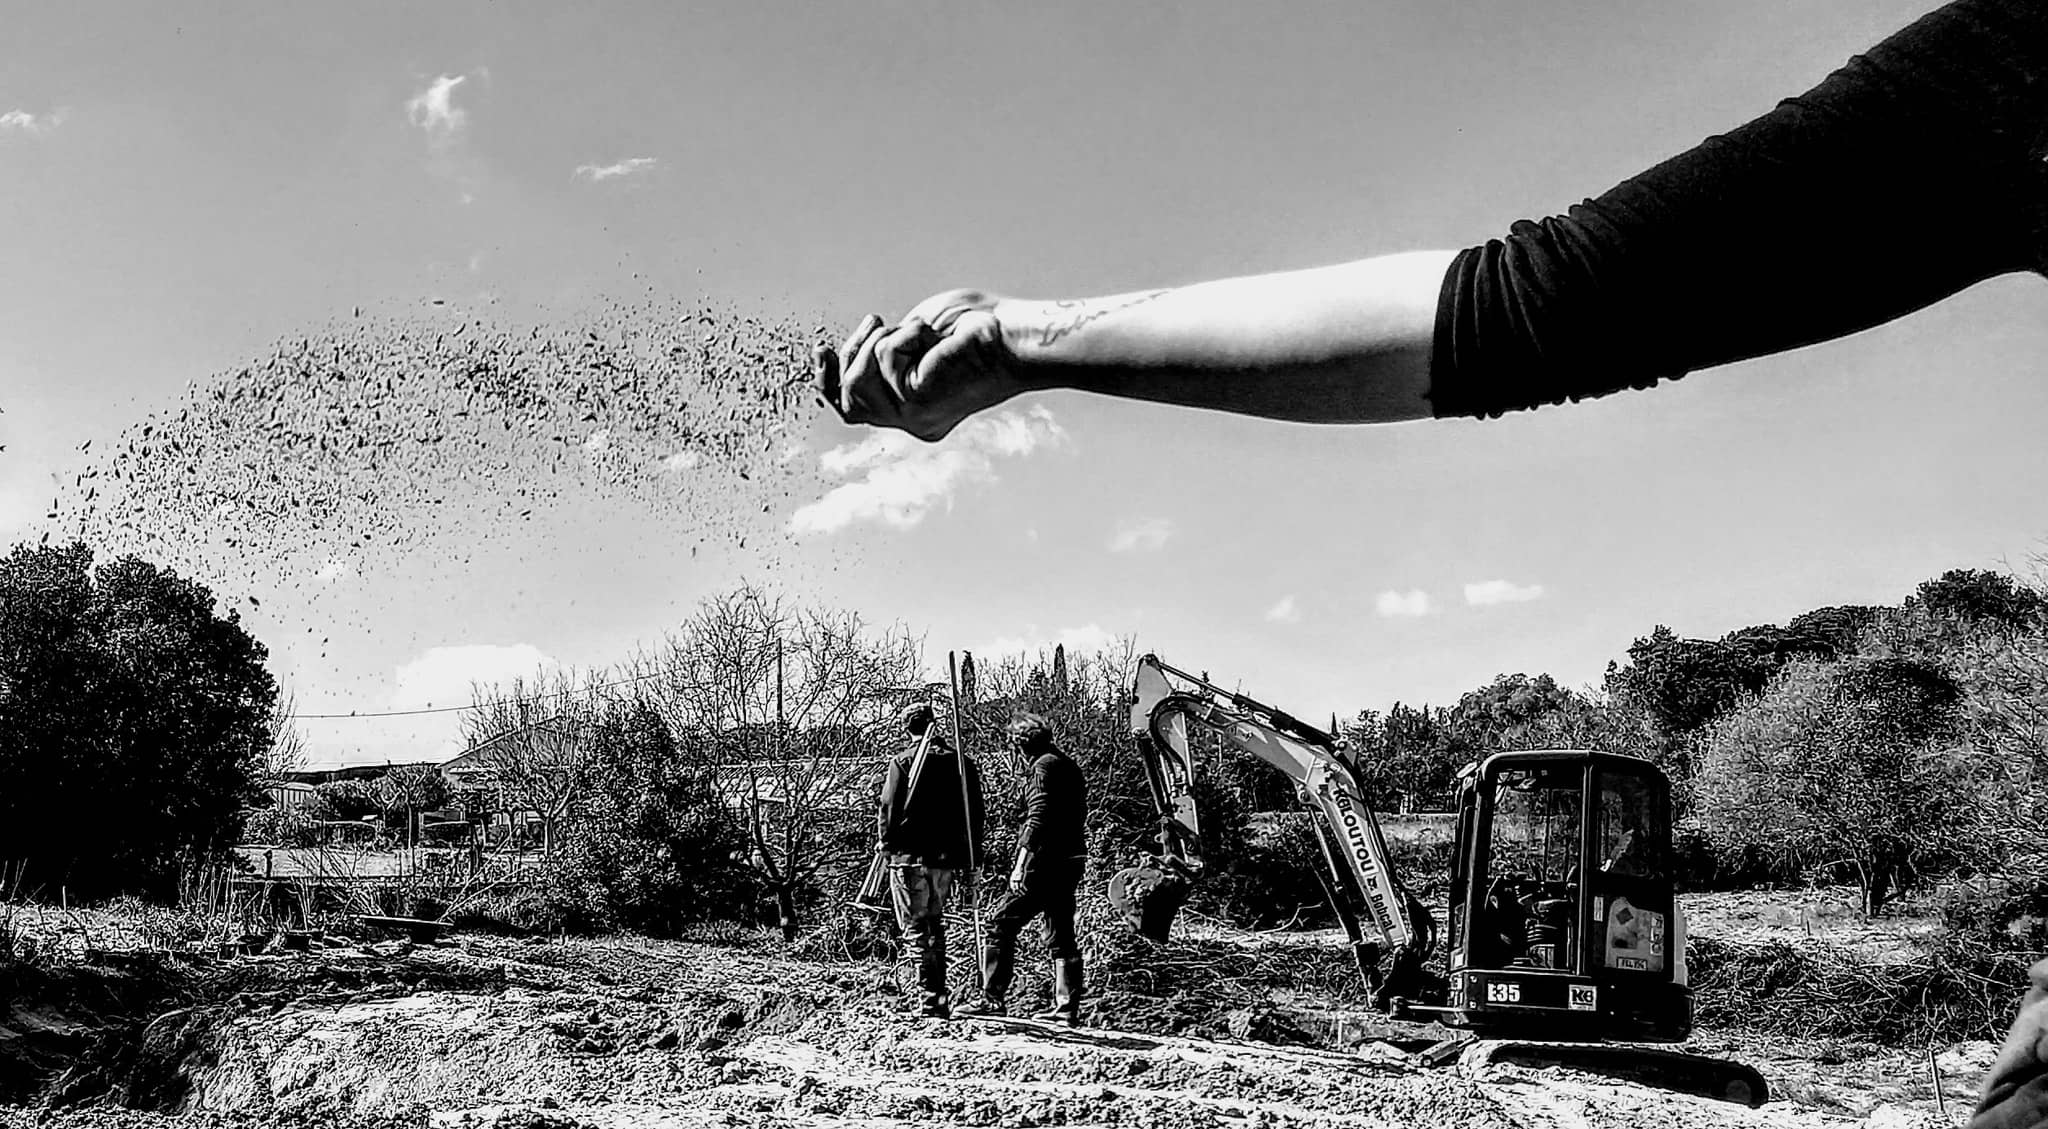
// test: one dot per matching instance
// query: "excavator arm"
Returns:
(1359, 878)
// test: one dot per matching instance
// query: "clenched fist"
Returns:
(946, 360)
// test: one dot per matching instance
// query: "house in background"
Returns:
(528, 775)
(292, 795)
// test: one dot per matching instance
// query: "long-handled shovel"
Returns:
(967, 821)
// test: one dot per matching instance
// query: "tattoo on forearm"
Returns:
(1076, 313)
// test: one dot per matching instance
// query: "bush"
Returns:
(2007, 909)
(282, 827)
(644, 846)
(349, 799)
(553, 906)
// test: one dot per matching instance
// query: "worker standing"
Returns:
(929, 835)
(1051, 852)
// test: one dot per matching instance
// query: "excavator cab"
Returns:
(1562, 909)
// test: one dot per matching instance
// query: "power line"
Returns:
(472, 706)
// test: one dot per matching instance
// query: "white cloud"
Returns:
(1078, 641)
(627, 167)
(1414, 602)
(681, 461)
(30, 125)
(434, 108)
(1150, 534)
(1501, 592)
(599, 442)
(1285, 611)
(898, 480)
(446, 676)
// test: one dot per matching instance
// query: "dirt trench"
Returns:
(497, 1034)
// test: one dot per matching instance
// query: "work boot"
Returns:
(1066, 993)
(995, 980)
(932, 978)
(990, 1005)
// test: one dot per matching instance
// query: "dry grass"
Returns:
(1959, 989)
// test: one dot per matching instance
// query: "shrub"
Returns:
(2007, 909)
(644, 846)
(282, 827)
(348, 799)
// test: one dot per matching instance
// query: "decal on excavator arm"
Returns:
(1389, 911)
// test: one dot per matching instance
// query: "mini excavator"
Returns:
(1566, 940)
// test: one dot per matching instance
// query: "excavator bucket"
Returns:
(1149, 898)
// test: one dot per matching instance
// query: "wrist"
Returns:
(1040, 358)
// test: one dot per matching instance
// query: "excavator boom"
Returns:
(1170, 704)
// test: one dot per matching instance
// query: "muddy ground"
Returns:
(503, 1033)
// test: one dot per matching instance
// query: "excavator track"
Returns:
(1665, 1069)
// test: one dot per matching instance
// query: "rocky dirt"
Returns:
(493, 1033)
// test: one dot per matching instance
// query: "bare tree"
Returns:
(786, 705)
(286, 750)
(531, 736)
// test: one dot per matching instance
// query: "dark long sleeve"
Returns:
(890, 813)
(1911, 173)
(1031, 835)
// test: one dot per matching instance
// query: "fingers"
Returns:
(899, 350)
(861, 396)
(825, 371)
(956, 355)
(868, 325)
(889, 375)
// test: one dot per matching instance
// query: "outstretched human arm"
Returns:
(1340, 344)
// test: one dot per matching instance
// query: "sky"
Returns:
(182, 187)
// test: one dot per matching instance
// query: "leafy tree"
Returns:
(1856, 761)
(645, 844)
(1678, 686)
(134, 721)
(1516, 711)
(1979, 597)
(1834, 631)
(1422, 756)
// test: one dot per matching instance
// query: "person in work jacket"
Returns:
(930, 830)
(1051, 852)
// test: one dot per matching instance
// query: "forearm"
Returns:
(1341, 344)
